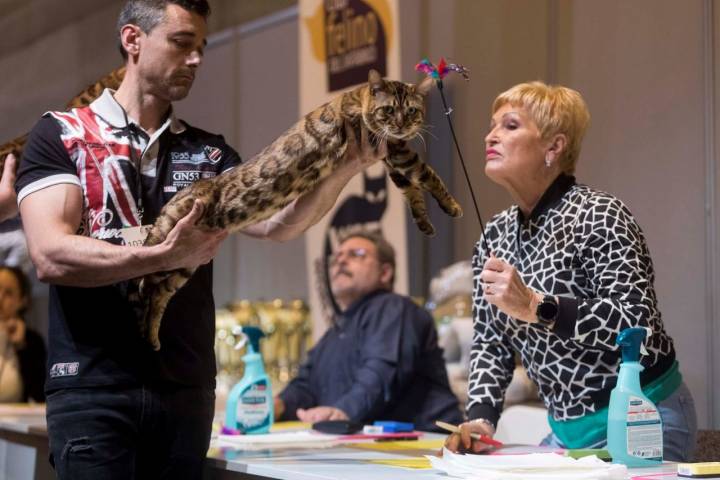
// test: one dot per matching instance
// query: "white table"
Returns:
(24, 453)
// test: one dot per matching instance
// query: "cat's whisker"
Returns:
(428, 132)
(422, 139)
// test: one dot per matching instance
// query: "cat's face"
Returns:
(395, 109)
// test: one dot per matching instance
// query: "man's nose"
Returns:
(195, 58)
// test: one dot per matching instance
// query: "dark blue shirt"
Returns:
(380, 361)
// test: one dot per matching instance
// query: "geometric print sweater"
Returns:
(585, 247)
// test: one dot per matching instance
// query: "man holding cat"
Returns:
(380, 360)
(89, 180)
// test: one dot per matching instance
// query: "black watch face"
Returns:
(547, 311)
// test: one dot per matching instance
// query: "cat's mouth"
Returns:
(398, 133)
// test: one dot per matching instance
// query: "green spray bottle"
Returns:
(249, 407)
(634, 432)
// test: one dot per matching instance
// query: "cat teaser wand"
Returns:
(437, 73)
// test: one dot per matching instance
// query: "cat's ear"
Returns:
(424, 87)
(375, 81)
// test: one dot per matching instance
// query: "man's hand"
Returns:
(190, 245)
(8, 199)
(318, 414)
(370, 149)
(503, 287)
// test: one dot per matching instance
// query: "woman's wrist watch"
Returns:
(547, 311)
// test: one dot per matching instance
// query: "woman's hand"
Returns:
(15, 330)
(463, 443)
(503, 287)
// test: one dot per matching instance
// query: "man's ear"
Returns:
(130, 38)
(386, 274)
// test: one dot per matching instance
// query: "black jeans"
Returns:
(129, 433)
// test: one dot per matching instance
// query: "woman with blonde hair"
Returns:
(569, 270)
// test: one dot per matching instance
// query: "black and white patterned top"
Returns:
(584, 246)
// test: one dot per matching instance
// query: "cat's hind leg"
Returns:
(159, 289)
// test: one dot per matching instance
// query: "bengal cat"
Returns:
(300, 158)
(293, 164)
(83, 99)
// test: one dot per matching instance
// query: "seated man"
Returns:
(380, 360)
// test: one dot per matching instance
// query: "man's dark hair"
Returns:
(385, 251)
(146, 14)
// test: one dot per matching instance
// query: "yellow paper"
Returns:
(416, 463)
(280, 426)
(435, 444)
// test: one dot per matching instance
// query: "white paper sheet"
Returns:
(536, 466)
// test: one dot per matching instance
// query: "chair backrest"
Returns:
(708, 446)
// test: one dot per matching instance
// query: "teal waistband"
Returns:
(592, 428)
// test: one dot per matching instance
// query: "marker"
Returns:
(483, 438)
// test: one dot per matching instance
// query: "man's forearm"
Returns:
(78, 261)
(306, 210)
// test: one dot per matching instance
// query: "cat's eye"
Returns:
(388, 109)
(411, 111)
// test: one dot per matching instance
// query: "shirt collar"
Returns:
(355, 306)
(551, 197)
(106, 107)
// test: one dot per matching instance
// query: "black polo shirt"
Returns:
(94, 337)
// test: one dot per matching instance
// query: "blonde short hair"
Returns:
(554, 109)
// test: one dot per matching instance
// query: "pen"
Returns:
(483, 438)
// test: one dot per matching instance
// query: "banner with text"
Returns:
(340, 41)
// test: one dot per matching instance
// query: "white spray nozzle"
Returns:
(648, 334)
(238, 332)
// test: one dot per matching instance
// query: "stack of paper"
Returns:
(535, 466)
(301, 439)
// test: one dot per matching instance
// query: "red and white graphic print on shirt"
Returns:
(99, 151)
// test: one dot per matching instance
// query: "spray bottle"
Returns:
(249, 407)
(635, 436)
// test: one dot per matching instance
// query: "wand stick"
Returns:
(462, 162)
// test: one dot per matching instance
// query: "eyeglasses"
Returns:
(352, 254)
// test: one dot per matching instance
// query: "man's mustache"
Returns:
(342, 271)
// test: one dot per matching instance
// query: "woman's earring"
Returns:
(548, 163)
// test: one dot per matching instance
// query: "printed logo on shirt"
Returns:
(64, 369)
(186, 158)
(213, 153)
(100, 219)
(184, 178)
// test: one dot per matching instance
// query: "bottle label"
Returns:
(253, 407)
(644, 430)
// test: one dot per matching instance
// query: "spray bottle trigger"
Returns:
(648, 333)
(238, 332)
